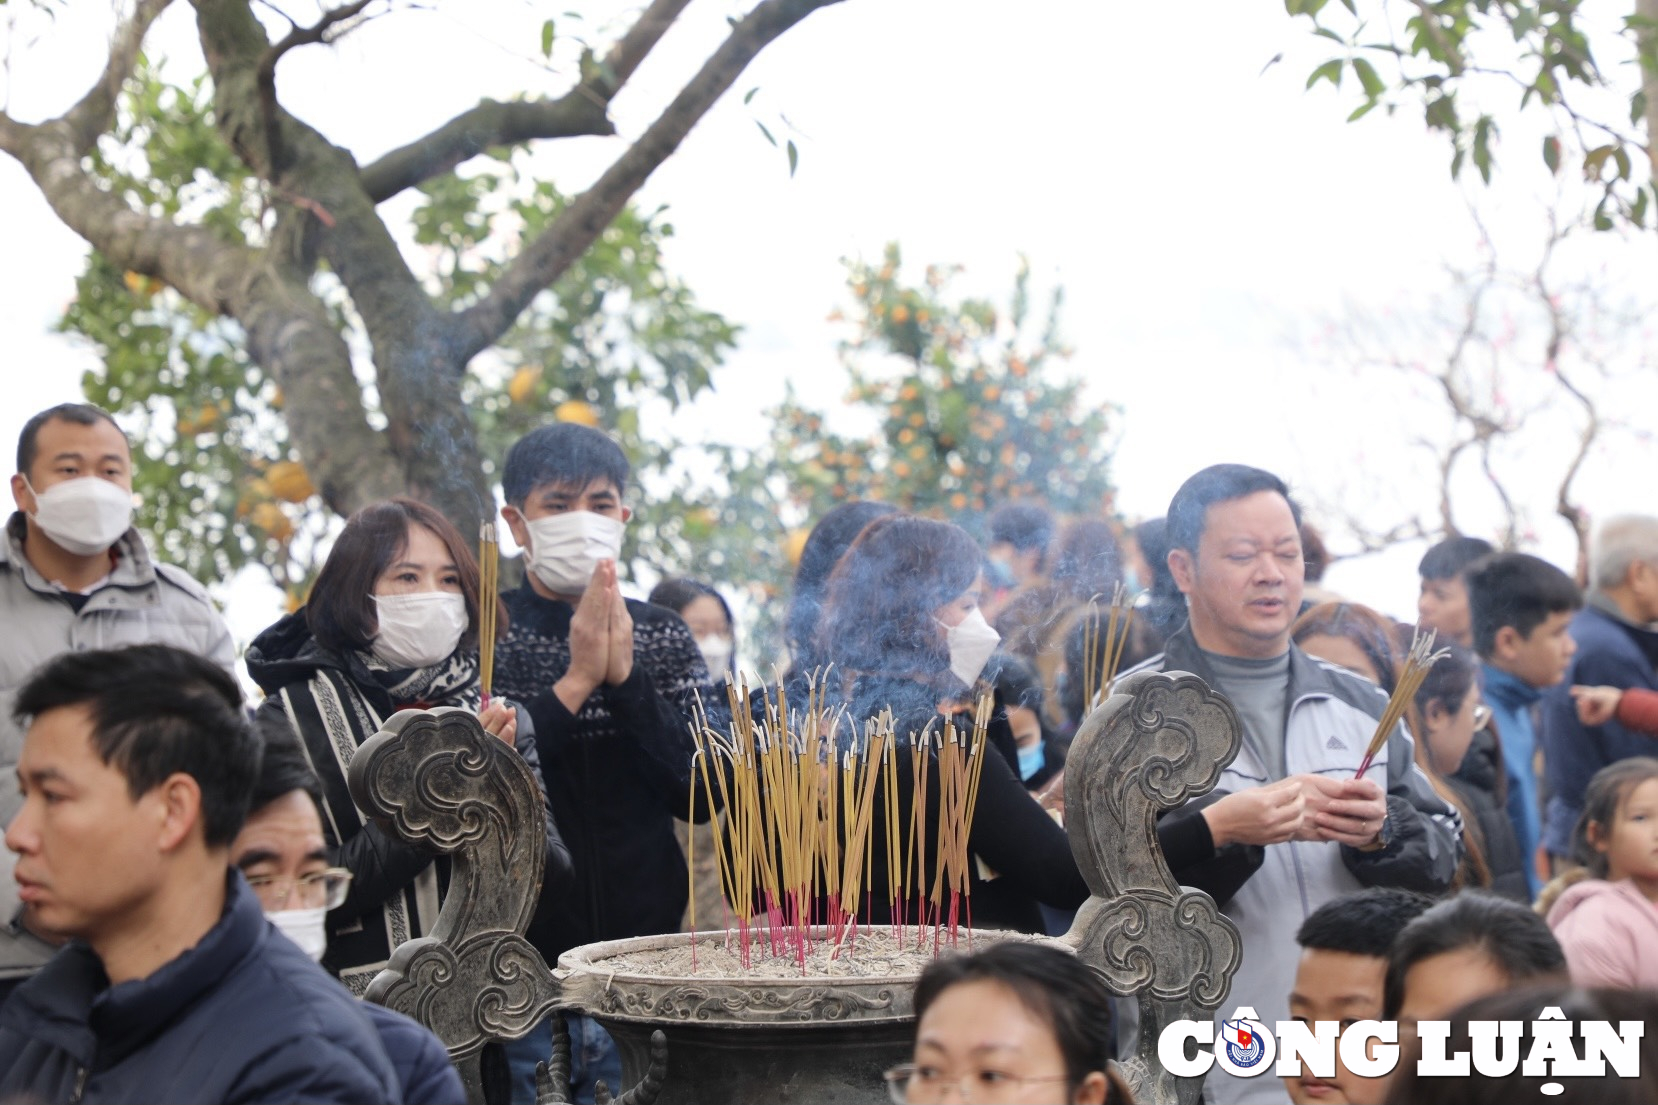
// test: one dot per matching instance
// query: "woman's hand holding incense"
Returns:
(500, 720)
(1268, 814)
(1354, 816)
(589, 645)
(620, 663)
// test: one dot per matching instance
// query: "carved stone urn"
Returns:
(747, 1040)
(699, 1038)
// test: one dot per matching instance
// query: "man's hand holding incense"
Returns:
(1270, 814)
(620, 663)
(500, 720)
(1354, 813)
(589, 645)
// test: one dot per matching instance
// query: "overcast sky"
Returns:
(1201, 213)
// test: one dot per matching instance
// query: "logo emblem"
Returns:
(1335, 743)
(1245, 1047)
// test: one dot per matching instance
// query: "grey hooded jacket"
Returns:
(1330, 717)
(141, 602)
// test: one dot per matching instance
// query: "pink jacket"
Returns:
(1609, 932)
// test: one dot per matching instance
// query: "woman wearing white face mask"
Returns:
(708, 616)
(902, 628)
(391, 624)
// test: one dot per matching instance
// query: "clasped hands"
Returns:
(1301, 807)
(601, 640)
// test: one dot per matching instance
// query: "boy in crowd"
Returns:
(610, 684)
(136, 772)
(1344, 946)
(1443, 603)
(1521, 608)
(1469, 947)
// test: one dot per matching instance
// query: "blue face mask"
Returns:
(1031, 760)
(1131, 581)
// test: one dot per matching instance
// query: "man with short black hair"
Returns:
(136, 771)
(1235, 551)
(74, 574)
(1443, 603)
(1521, 612)
(1344, 948)
(610, 684)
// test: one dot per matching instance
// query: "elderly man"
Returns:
(136, 772)
(75, 575)
(1616, 647)
(1235, 551)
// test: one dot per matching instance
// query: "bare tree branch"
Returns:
(468, 134)
(92, 115)
(582, 111)
(265, 74)
(547, 257)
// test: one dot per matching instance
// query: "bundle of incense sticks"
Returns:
(804, 791)
(1103, 651)
(1417, 662)
(489, 579)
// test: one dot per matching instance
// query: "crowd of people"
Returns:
(196, 901)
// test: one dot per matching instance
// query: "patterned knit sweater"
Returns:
(617, 773)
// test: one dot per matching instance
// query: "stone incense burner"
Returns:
(736, 1037)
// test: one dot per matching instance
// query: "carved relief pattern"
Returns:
(717, 1002)
(1158, 742)
(440, 780)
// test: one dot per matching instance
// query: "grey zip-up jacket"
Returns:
(141, 603)
(1330, 717)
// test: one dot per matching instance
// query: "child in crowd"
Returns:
(1470, 946)
(1344, 946)
(1443, 604)
(1521, 608)
(1607, 918)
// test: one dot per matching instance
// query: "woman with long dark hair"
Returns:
(391, 624)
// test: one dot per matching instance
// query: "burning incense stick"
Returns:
(489, 599)
(1417, 662)
(804, 796)
(1103, 653)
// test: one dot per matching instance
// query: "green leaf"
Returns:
(1637, 107)
(1637, 211)
(1373, 86)
(794, 157)
(1329, 71)
(1621, 156)
(547, 39)
(1594, 162)
(1362, 110)
(765, 132)
(750, 95)
(1551, 154)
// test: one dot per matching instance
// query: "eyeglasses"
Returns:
(1482, 715)
(914, 1085)
(324, 889)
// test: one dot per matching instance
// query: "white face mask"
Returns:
(716, 653)
(565, 549)
(305, 927)
(418, 630)
(84, 516)
(971, 644)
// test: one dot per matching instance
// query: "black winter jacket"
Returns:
(1482, 785)
(381, 864)
(244, 1016)
(618, 772)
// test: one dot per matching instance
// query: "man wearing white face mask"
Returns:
(282, 854)
(75, 575)
(609, 684)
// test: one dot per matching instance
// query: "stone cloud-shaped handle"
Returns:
(438, 780)
(1160, 740)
